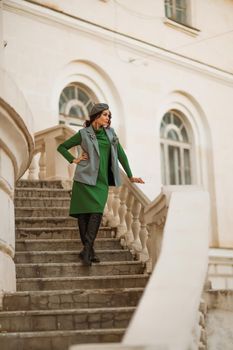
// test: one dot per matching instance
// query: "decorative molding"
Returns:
(49, 15)
(181, 27)
(19, 123)
(10, 154)
(16, 124)
(6, 187)
(6, 249)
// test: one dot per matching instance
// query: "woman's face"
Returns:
(103, 120)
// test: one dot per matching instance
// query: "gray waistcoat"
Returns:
(87, 170)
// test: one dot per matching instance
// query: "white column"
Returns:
(16, 151)
(7, 227)
(1, 35)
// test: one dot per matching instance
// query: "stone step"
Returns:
(41, 192)
(63, 244)
(70, 299)
(221, 261)
(39, 184)
(41, 212)
(89, 282)
(58, 340)
(77, 269)
(42, 202)
(69, 256)
(67, 319)
(60, 232)
(60, 221)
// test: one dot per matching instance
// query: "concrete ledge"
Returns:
(219, 299)
(167, 313)
(111, 346)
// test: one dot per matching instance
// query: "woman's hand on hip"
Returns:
(136, 180)
(84, 156)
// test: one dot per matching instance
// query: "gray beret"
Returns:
(98, 108)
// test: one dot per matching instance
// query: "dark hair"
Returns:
(96, 116)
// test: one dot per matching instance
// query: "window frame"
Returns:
(173, 9)
(182, 146)
(72, 120)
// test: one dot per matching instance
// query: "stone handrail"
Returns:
(169, 310)
(51, 165)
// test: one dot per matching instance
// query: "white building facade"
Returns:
(163, 67)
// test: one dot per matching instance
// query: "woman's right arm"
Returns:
(71, 142)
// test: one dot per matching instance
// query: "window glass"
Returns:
(172, 135)
(89, 106)
(177, 121)
(163, 163)
(168, 8)
(176, 10)
(174, 165)
(187, 170)
(167, 118)
(184, 134)
(76, 111)
(83, 96)
(68, 92)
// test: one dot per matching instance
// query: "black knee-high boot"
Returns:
(92, 230)
(83, 220)
(88, 228)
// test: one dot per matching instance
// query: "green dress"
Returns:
(87, 198)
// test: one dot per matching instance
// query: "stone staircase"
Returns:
(59, 301)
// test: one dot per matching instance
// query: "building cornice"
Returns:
(149, 50)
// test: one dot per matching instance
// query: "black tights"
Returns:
(89, 224)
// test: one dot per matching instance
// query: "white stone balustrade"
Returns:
(16, 151)
(52, 165)
(121, 231)
(155, 218)
(144, 241)
(129, 218)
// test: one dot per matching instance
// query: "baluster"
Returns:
(109, 210)
(129, 219)
(136, 245)
(149, 263)
(106, 213)
(42, 166)
(143, 234)
(122, 211)
(115, 207)
(32, 169)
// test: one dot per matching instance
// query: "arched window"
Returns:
(175, 150)
(75, 104)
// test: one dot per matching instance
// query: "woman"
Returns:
(97, 169)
